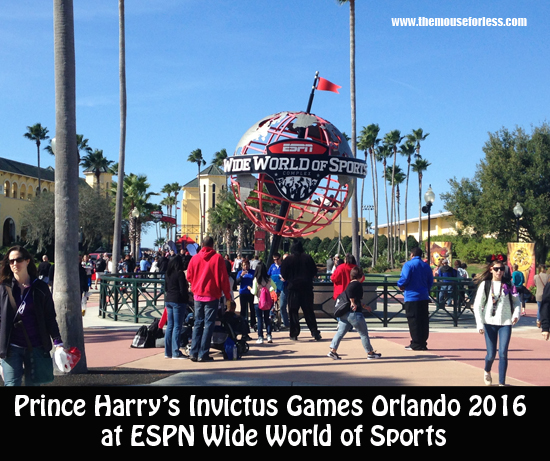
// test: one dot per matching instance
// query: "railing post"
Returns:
(135, 300)
(385, 302)
(117, 294)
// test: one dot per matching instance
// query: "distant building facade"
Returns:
(18, 185)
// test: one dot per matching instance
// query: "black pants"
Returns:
(247, 308)
(301, 299)
(419, 323)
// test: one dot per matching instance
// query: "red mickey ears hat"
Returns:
(498, 257)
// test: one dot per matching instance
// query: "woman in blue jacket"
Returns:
(245, 278)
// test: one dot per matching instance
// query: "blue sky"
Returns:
(200, 73)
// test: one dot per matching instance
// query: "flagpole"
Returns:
(285, 205)
(310, 102)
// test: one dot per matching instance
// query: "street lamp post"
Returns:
(429, 198)
(518, 212)
(368, 208)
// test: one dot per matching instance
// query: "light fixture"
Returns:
(429, 196)
(518, 210)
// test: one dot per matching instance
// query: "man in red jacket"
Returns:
(208, 278)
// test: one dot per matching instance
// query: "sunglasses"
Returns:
(497, 269)
(16, 260)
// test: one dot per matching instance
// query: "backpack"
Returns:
(146, 336)
(342, 304)
(265, 301)
(487, 288)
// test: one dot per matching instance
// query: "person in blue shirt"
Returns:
(245, 278)
(518, 280)
(416, 281)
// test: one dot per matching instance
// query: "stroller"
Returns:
(224, 328)
(224, 331)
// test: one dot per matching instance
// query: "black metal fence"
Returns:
(140, 297)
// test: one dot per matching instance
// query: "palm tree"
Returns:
(383, 153)
(407, 150)
(197, 158)
(368, 142)
(415, 137)
(354, 220)
(396, 176)
(392, 139)
(137, 195)
(117, 234)
(399, 177)
(219, 157)
(66, 291)
(419, 166)
(96, 162)
(218, 161)
(37, 133)
(81, 145)
(168, 202)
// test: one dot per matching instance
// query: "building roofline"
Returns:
(423, 218)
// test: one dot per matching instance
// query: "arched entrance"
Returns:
(8, 233)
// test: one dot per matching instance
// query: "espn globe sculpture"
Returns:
(292, 172)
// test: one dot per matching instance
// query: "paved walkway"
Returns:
(455, 358)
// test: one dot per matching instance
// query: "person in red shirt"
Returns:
(340, 277)
(208, 277)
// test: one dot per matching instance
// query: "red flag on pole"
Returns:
(325, 85)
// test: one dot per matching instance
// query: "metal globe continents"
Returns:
(291, 173)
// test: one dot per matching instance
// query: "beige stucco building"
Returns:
(440, 224)
(205, 188)
(18, 185)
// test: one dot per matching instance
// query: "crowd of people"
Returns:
(209, 281)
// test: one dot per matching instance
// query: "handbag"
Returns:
(41, 369)
(342, 304)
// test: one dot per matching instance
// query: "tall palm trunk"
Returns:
(420, 209)
(201, 221)
(375, 197)
(38, 171)
(354, 214)
(387, 214)
(393, 207)
(66, 287)
(117, 234)
(406, 198)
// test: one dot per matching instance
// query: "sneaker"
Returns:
(487, 378)
(317, 337)
(269, 339)
(333, 355)
(260, 341)
(205, 359)
(373, 355)
(180, 357)
(408, 348)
